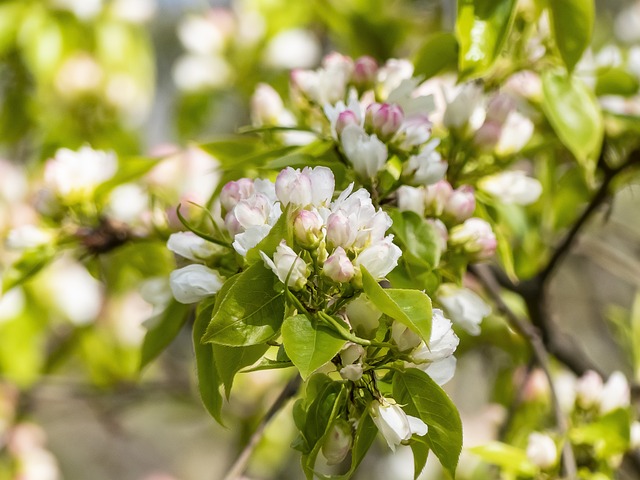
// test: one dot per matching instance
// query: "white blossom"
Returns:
(379, 258)
(77, 174)
(287, 264)
(615, 393)
(589, 389)
(411, 199)
(542, 450)
(190, 246)
(476, 237)
(307, 187)
(512, 187)
(395, 425)
(294, 48)
(366, 153)
(192, 283)
(427, 167)
(463, 306)
(26, 237)
(338, 267)
(338, 442)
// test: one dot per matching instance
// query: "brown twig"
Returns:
(484, 275)
(240, 465)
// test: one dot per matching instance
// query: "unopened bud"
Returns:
(344, 119)
(476, 238)
(542, 450)
(460, 204)
(365, 71)
(436, 197)
(338, 442)
(307, 228)
(363, 316)
(338, 267)
(383, 119)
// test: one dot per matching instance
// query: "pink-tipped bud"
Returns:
(383, 119)
(338, 267)
(365, 71)
(460, 204)
(436, 197)
(307, 228)
(476, 238)
(344, 119)
(235, 191)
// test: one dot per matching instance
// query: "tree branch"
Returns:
(240, 465)
(484, 276)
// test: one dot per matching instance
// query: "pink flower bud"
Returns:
(338, 267)
(344, 119)
(235, 191)
(476, 238)
(307, 228)
(460, 204)
(365, 71)
(436, 197)
(293, 187)
(383, 119)
(340, 231)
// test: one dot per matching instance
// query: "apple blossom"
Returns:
(411, 199)
(338, 267)
(302, 188)
(427, 167)
(234, 191)
(383, 119)
(442, 342)
(346, 118)
(338, 442)
(379, 258)
(192, 283)
(588, 390)
(308, 228)
(436, 197)
(363, 316)
(512, 187)
(460, 204)
(615, 393)
(405, 338)
(465, 109)
(391, 75)
(190, 246)
(395, 425)
(26, 237)
(75, 175)
(475, 237)
(463, 306)
(542, 450)
(415, 131)
(366, 153)
(365, 69)
(286, 264)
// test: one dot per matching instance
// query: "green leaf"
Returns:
(609, 435)
(250, 313)
(482, 26)
(230, 360)
(418, 237)
(423, 398)
(409, 307)
(438, 53)
(208, 379)
(420, 450)
(162, 330)
(309, 345)
(616, 81)
(572, 25)
(575, 116)
(228, 149)
(30, 263)
(511, 459)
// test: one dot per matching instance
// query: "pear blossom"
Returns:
(366, 153)
(363, 316)
(338, 267)
(395, 425)
(192, 283)
(76, 174)
(542, 450)
(286, 264)
(379, 258)
(512, 187)
(463, 306)
(190, 246)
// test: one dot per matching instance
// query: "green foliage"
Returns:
(511, 459)
(409, 307)
(251, 311)
(482, 27)
(420, 240)
(162, 330)
(575, 116)
(308, 344)
(423, 398)
(572, 24)
(438, 53)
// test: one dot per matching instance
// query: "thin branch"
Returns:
(483, 274)
(240, 465)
